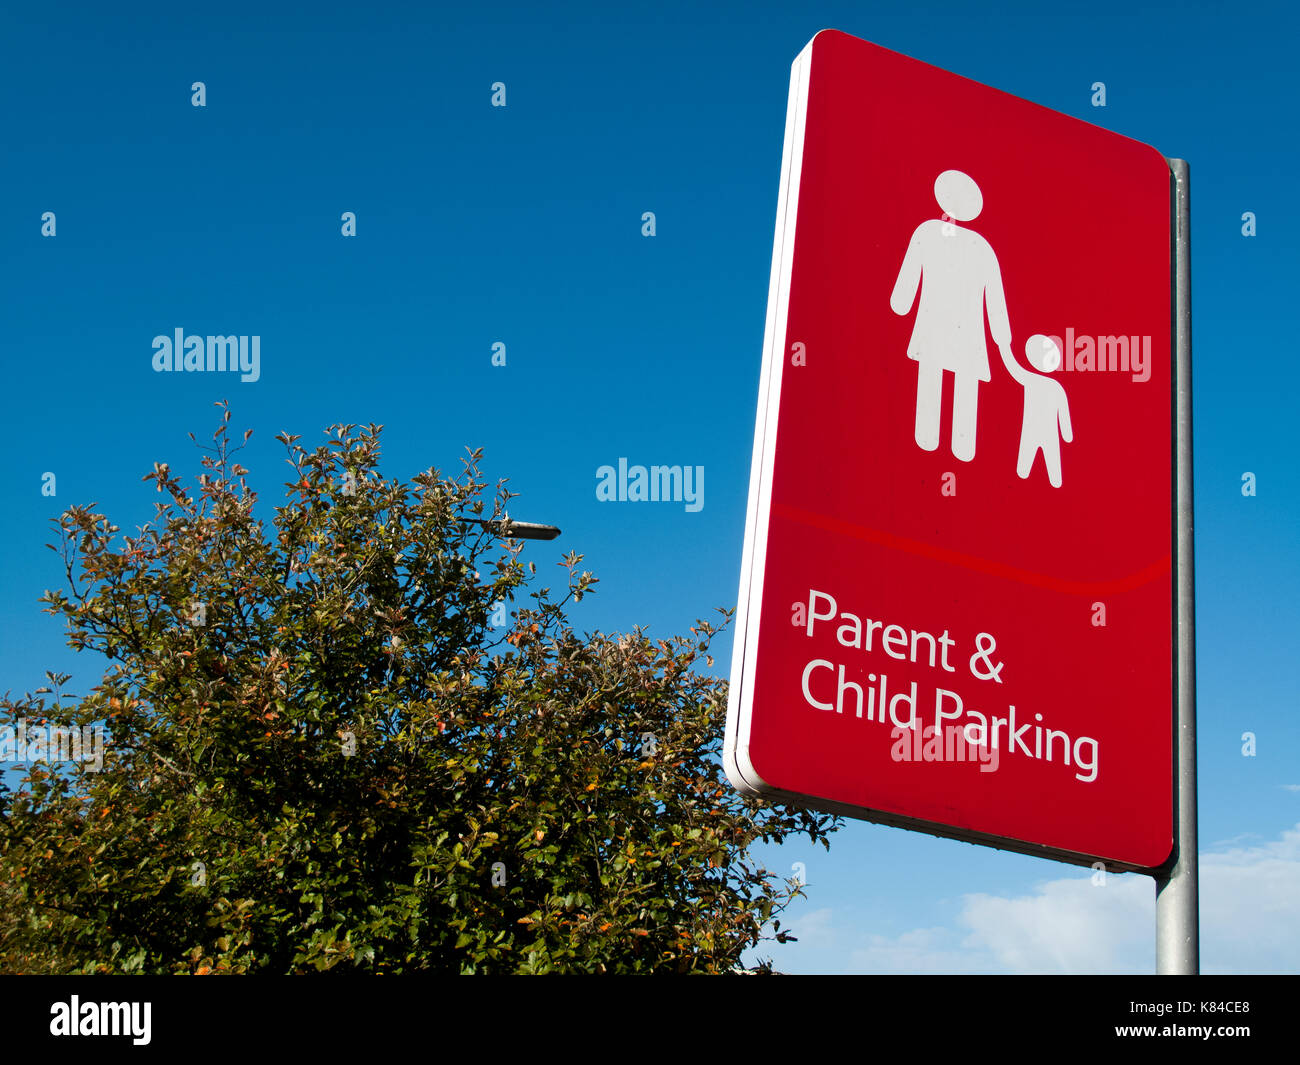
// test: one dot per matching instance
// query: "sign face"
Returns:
(957, 598)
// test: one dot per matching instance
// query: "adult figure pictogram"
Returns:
(958, 277)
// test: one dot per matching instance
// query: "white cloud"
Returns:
(1069, 925)
(923, 950)
(815, 931)
(1250, 908)
(1219, 844)
(1250, 923)
(831, 942)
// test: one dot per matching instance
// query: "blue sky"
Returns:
(522, 225)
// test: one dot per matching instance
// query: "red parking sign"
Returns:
(956, 604)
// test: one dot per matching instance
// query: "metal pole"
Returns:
(1178, 950)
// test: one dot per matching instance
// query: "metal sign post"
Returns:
(1177, 899)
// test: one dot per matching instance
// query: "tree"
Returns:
(330, 747)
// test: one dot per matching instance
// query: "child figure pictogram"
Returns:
(1046, 419)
